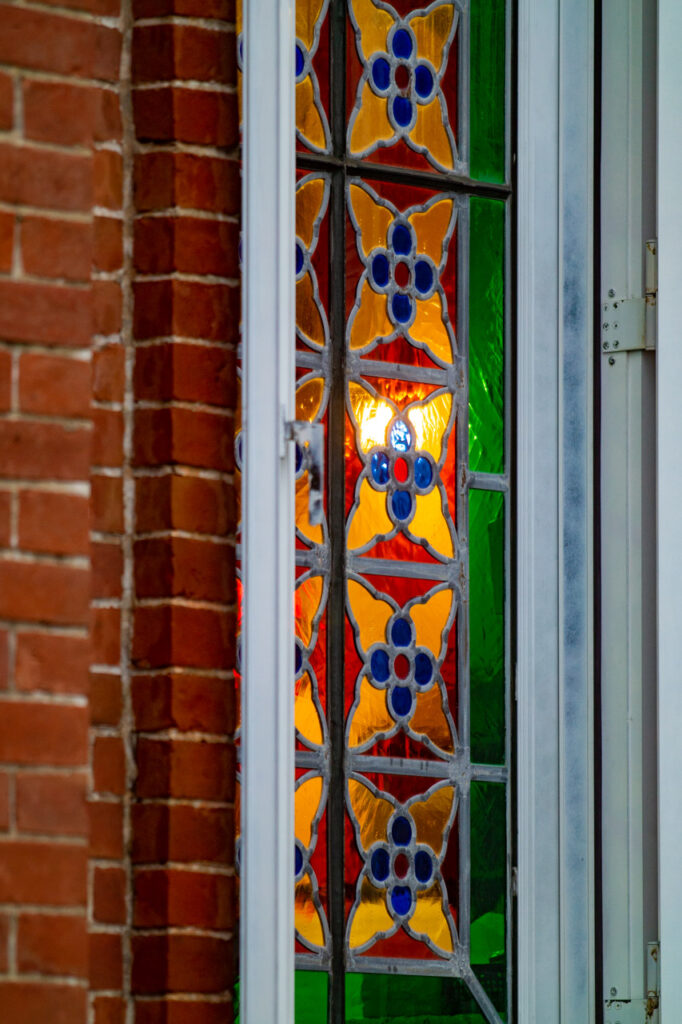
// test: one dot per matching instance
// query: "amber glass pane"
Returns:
(489, 888)
(487, 105)
(486, 335)
(486, 626)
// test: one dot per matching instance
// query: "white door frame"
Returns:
(554, 488)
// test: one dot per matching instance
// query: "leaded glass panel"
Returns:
(401, 683)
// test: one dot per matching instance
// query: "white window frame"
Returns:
(554, 514)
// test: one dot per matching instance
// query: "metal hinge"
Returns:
(309, 438)
(638, 1011)
(629, 325)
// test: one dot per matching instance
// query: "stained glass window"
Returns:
(402, 801)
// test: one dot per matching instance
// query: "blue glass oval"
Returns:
(300, 60)
(298, 860)
(423, 866)
(381, 73)
(423, 81)
(423, 276)
(401, 436)
(402, 240)
(401, 502)
(402, 307)
(239, 449)
(423, 473)
(402, 44)
(423, 669)
(299, 457)
(299, 259)
(378, 665)
(401, 831)
(401, 700)
(379, 467)
(401, 633)
(380, 864)
(380, 270)
(401, 899)
(402, 110)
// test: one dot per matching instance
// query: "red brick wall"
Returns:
(119, 201)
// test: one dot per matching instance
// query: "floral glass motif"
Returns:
(400, 687)
(312, 125)
(400, 95)
(401, 885)
(399, 489)
(404, 255)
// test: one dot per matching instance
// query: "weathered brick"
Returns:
(53, 522)
(183, 52)
(105, 698)
(188, 181)
(6, 102)
(106, 961)
(184, 636)
(47, 661)
(106, 564)
(184, 502)
(37, 592)
(189, 769)
(183, 899)
(6, 242)
(31, 1003)
(106, 828)
(52, 944)
(183, 701)
(36, 177)
(108, 373)
(32, 450)
(58, 112)
(109, 895)
(49, 42)
(106, 503)
(105, 631)
(47, 314)
(186, 115)
(202, 570)
(53, 804)
(34, 733)
(180, 963)
(108, 765)
(190, 437)
(52, 874)
(51, 247)
(183, 833)
(108, 243)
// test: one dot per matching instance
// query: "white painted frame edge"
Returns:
(554, 670)
(267, 855)
(669, 426)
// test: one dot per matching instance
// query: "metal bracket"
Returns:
(623, 326)
(309, 438)
(629, 325)
(638, 1011)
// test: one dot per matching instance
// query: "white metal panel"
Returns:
(267, 857)
(628, 656)
(554, 513)
(669, 423)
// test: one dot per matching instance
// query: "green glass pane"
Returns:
(486, 335)
(487, 105)
(311, 997)
(486, 626)
(391, 999)
(489, 888)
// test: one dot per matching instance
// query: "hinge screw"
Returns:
(616, 344)
(612, 292)
(612, 361)
(614, 991)
(605, 345)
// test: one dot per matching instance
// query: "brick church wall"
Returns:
(119, 312)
